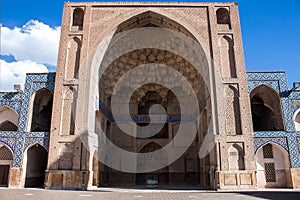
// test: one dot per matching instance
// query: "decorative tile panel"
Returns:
(281, 141)
(20, 101)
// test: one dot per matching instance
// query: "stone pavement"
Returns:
(135, 194)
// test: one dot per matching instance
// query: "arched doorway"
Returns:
(6, 161)
(161, 175)
(41, 111)
(273, 167)
(266, 109)
(297, 120)
(37, 158)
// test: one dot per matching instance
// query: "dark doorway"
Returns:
(37, 158)
(4, 172)
(266, 109)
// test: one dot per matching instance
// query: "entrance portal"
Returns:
(6, 158)
(36, 165)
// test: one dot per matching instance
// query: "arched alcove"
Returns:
(9, 119)
(69, 111)
(236, 157)
(227, 54)
(162, 175)
(36, 163)
(6, 161)
(73, 58)
(273, 167)
(297, 120)
(266, 109)
(77, 18)
(223, 17)
(41, 111)
(232, 111)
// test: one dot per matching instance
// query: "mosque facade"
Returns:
(96, 121)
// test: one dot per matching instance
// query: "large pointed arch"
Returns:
(266, 109)
(144, 19)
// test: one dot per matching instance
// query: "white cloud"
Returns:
(35, 41)
(15, 72)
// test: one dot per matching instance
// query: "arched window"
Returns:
(266, 109)
(297, 120)
(223, 16)
(9, 119)
(8, 126)
(273, 165)
(78, 14)
(42, 111)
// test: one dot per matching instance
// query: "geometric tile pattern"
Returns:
(20, 140)
(9, 141)
(20, 101)
(281, 141)
(290, 101)
(43, 141)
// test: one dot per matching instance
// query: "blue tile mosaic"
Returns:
(19, 101)
(289, 140)
(290, 101)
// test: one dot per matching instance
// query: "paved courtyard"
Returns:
(128, 194)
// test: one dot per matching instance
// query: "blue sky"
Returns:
(271, 33)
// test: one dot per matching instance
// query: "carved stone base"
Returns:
(66, 179)
(295, 174)
(237, 180)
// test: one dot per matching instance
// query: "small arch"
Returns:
(6, 161)
(297, 120)
(161, 175)
(273, 143)
(223, 16)
(9, 119)
(73, 58)
(5, 145)
(69, 111)
(150, 147)
(41, 110)
(36, 163)
(8, 126)
(236, 157)
(231, 56)
(77, 19)
(266, 109)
